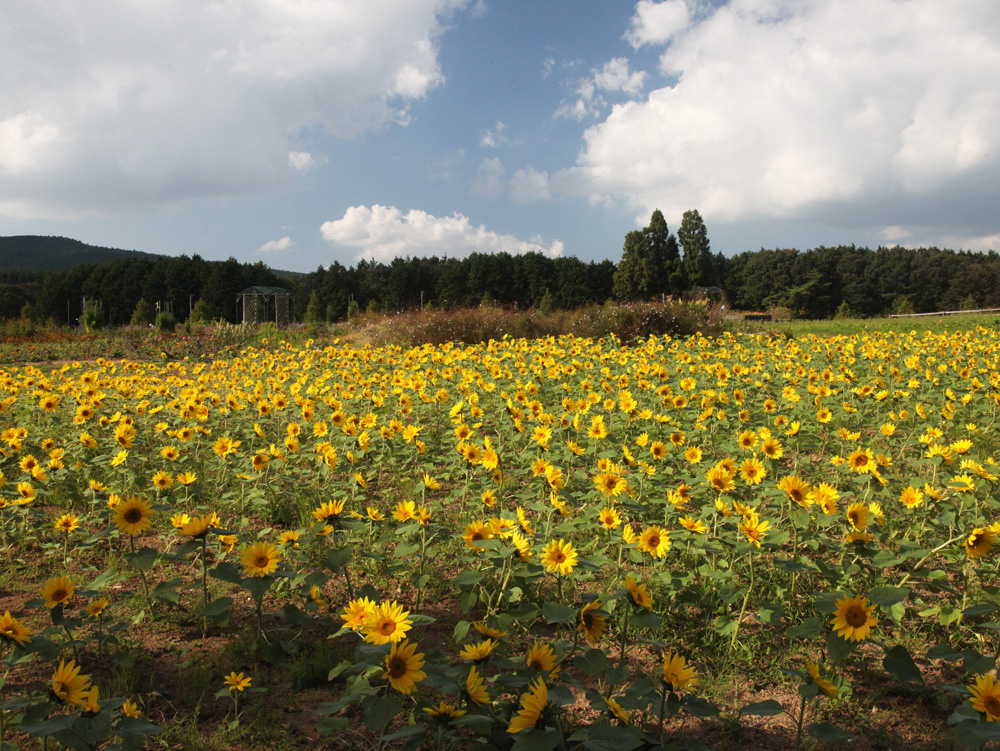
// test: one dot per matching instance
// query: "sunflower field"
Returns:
(564, 543)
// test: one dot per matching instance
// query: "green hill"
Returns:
(37, 253)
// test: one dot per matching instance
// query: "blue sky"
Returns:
(300, 132)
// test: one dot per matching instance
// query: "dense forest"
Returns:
(817, 283)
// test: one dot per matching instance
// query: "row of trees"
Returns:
(858, 281)
(525, 281)
(127, 286)
(816, 283)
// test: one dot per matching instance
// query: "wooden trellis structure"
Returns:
(256, 301)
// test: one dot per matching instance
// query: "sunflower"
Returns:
(130, 709)
(593, 622)
(476, 532)
(237, 682)
(133, 515)
(638, 593)
(328, 512)
(609, 518)
(57, 591)
(610, 484)
(520, 542)
(753, 471)
(853, 619)
(404, 511)
(719, 479)
(796, 488)
(357, 612)
(693, 525)
(754, 528)
(478, 652)
(388, 622)
(533, 703)
(67, 523)
(68, 685)
(541, 657)
(13, 630)
(654, 540)
(825, 687)
(163, 480)
(475, 689)
(559, 557)
(859, 516)
(199, 526)
(186, 478)
(986, 697)
(980, 542)
(677, 674)
(488, 631)
(260, 559)
(402, 667)
(95, 608)
(615, 710)
(444, 712)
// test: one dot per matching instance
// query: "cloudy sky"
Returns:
(300, 132)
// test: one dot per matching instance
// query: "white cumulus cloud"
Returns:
(613, 76)
(658, 22)
(494, 137)
(113, 105)
(381, 233)
(285, 243)
(529, 185)
(874, 112)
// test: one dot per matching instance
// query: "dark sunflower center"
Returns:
(856, 617)
(397, 667)
(133, 516)
(261, 561)
(387, 627)
(992, 705)
(558, 557)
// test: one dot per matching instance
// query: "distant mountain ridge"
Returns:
(40, 253)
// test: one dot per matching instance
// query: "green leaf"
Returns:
(105, 580)
(592, 662)
(380, 710)
(167, 591)
(226, 572)
(553, 612)
(217, 607)
(983, 608)
(700, 707)
(602, 737)
(828, 733)
(535, 740)
(337, 559)
(899, 663)
(40, 728)
(766, 708)
(135, 727)
(808, 629)
(886, 558)
(143, 560)
(645, 619)
(461, 631)
(724, 625)
(467, 579)
(885, 597)
(838, 647)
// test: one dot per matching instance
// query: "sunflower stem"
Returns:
(798, 724)
(746, 599)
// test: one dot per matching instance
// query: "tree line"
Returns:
(818, 283)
